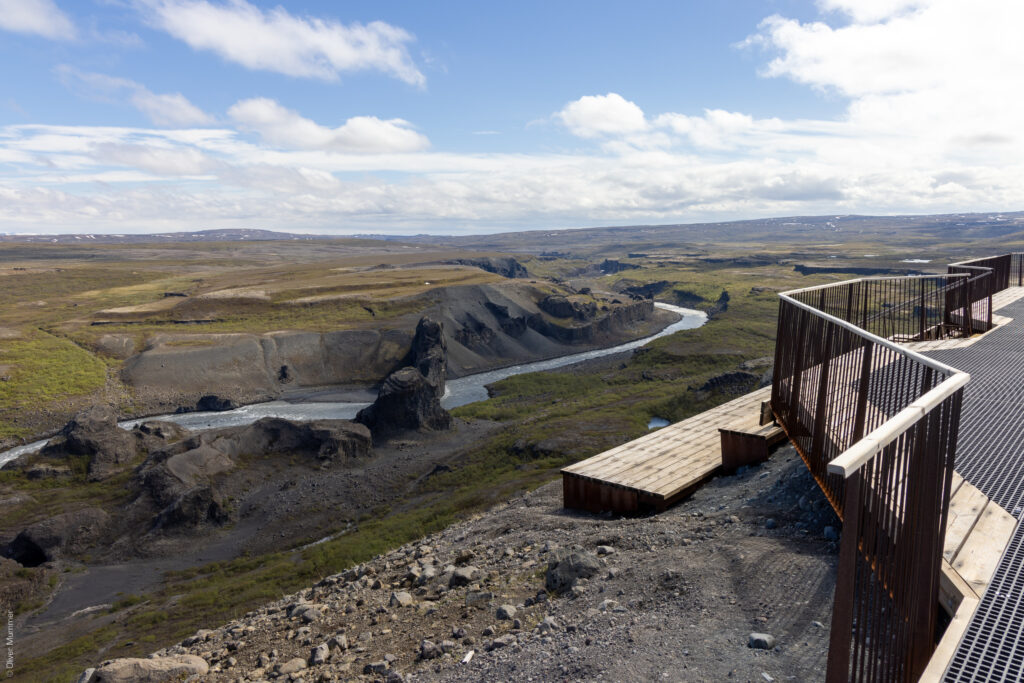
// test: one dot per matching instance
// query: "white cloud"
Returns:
(929, 125)
(286, 128)
(870, 11)
(158, 159)
(37, 17)
(593, 116)
(278, 41)
(925, 88)
(172, 109)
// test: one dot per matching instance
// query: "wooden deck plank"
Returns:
(662, 464)
(648, 456)
(965, 509)
(979, 555)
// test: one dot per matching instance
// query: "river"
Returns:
(458, 392)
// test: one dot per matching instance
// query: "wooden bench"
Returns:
(750, 443)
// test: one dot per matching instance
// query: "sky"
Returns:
(456, 117)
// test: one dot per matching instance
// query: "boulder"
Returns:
(463, 576)
(291, 666)
(401, 599)
(47, 540)
(321, 653)
(429, 650)
(567, 568)
(214, 403)
(94, 433)
(406, 402)
(154, 434)
(152, 670)
(410, 398)
(327, 440)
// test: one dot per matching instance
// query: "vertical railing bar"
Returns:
(838, 668)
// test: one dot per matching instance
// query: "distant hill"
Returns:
(195, 236)
(946, 227)
(805, 229)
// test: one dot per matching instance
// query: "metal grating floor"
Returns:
(990, 455)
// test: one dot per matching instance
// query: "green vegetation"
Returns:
(44, 369)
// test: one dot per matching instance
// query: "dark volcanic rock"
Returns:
(617, 318)
(513, 326)
(475, 333)
(647, 291)
(738, 382)
(46, 540)
(558, 306)
(410, 398)
(406, 401)
(429, 353)
(180, 480)
(154, 434)
(615, 266)
(94, 433)
(327, 440)
(719, 306)
(214, 403)
(194, 507)
(568, 568)
(505, 266)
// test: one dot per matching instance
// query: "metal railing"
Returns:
(877, 426)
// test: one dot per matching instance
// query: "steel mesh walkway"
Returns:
(990, 455)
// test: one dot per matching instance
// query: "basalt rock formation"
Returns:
(504, 266)
(485, 325)
(561, 307)
(180, 482)
(616, 266)
(410, 398)
(48, 539)
(94, 433)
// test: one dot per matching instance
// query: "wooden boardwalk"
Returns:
(977, 532)
(662, 467)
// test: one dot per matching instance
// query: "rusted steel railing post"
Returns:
(841, 633)
(862, 394)
(923, 313)
(820, 412)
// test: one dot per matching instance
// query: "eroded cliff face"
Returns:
(177, 370)
(484, 327)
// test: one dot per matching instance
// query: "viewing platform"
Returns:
(905, 398)
(663, 467)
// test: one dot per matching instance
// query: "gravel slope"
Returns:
(673, 597)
